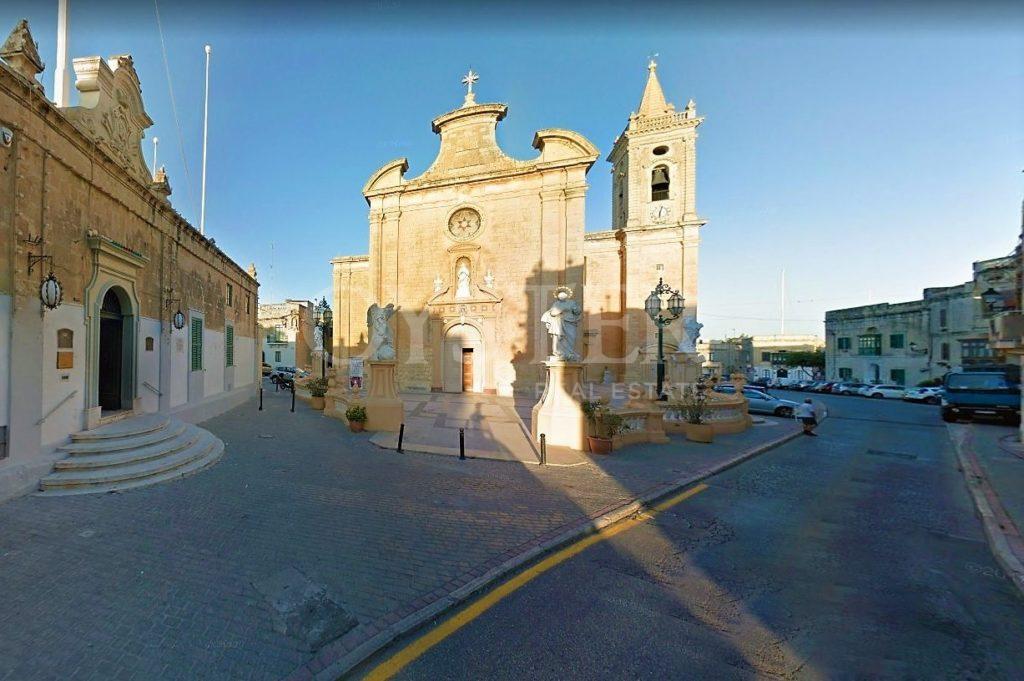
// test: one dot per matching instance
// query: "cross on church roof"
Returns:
(468, 81)
(652, 63)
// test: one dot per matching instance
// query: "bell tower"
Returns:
(654, 162)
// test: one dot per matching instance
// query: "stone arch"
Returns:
(462, 338)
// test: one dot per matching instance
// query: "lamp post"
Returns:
(992, 299)
(324, 317)
(662, 316)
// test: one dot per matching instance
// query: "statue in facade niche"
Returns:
(691, 334)
(382, 340)
(462, 280)
(562, 320)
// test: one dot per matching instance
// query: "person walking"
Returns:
(805, 412)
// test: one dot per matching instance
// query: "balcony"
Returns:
(1006, 332)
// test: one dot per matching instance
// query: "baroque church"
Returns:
(471, 251)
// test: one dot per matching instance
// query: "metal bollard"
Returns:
(543, 449)
(261, 398)
(401, 436)
(462, 443)
(277, 385)
(293, 398)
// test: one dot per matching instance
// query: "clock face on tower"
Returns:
(661, 213)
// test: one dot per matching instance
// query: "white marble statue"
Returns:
(318, 339)
(382, 342)
(438, 284)
(462, 281)
(691, 332)
(561, 320)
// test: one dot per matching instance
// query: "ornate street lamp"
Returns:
(50, 292)
(992, 299)
(178, 320)
(662, 317)
(323, 318)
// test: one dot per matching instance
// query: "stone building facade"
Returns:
(286, 330)
(921, 340)
(471, 250)
(77, 200)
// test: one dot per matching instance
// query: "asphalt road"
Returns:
(853, 555)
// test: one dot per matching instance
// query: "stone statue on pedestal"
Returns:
(318, 339)
(691, 330)
(382, 341)
(562, 320)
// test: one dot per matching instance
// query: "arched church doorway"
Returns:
(463, 358)
(116, 352)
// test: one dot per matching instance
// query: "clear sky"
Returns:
(869, 151)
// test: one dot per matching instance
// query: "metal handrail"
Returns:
(56, 407)
(152, 388)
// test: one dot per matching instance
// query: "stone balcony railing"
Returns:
(1006, 332)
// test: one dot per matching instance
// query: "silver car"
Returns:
(760, 402)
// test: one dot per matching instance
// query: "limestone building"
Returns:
(921, 340)
(77, 201)
(287, 332)
(471, 249)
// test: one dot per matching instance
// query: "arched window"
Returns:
(659, 183)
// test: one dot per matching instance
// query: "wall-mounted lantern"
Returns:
(179, 320)
(50, 292)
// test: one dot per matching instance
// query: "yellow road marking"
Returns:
(398, 661)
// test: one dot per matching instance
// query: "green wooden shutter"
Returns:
(229, 346)
(197, 344)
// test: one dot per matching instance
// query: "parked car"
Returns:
(848, 388)
(881, 390)
(986, 394)
(823, 387)
(800, 386)
(267, 369)
(932, 395)
(760, 402)
(283, 375)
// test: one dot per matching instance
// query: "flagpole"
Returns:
(206, 115)
(156, 143)
(61, 83)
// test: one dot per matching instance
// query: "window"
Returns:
(895, 341)
(845, 374)
(843, 343)
(898, 376)
(660, 151)
(766, 356)
(869, 344)
(248, 298)
(942, 318)
(229, 346)
(944, 351)
(975, 348)
(149, 344)
(197, 344)
(659, 183)
(231, 295)
(277, 355)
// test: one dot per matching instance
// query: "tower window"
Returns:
(659, 183)
(660, 151)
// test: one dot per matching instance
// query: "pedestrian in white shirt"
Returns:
(805, 412)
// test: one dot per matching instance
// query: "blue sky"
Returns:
(868, 152)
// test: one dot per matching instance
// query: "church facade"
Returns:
(472, 250)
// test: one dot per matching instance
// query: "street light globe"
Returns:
(328, 317)
(675, 304)
(50, 292)
(179, 320)
(653, 305)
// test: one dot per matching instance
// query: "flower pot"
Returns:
(599, 445)
(356, 426)
(316, 402)
(700, 432)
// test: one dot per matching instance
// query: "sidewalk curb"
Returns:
(341, 666)
(990, 511)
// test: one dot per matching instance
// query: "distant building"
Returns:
(287, 330)
(911, 342)
(770, 356)
(727, 356)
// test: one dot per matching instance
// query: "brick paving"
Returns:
(176, 580)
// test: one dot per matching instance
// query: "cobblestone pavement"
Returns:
(302, 530)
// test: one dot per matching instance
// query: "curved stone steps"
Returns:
(139, 425)
(102, 446)
(81, 461)
(211, 457)
(205, 450)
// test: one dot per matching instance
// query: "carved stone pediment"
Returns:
(22, 53)
(111, 110)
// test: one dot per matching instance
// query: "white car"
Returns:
(891, 391)
(761, 402)
(931, 395)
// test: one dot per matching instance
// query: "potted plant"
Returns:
(317, 389)
(605, 425)
(356, 417)
(693, 408)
